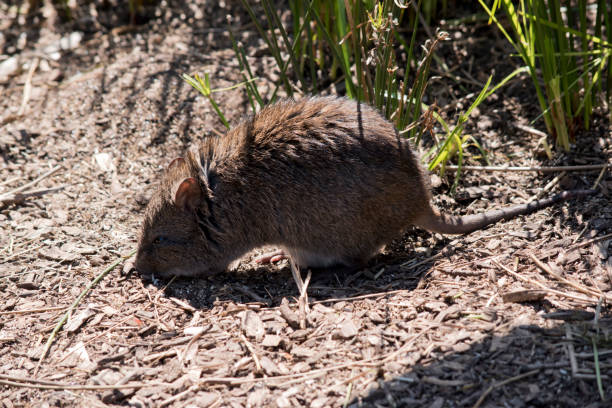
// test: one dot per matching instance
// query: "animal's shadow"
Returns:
(401, 266)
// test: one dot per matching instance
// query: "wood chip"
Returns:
(269, 366)
(77, 321)
(253, 326)
(271, 340)
(289, 315)
(56, 254)
(347, 329)
(520, 296)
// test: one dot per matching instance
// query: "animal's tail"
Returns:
(451, 224)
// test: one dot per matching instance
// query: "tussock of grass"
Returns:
(566, 55)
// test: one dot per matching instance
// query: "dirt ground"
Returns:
(93, 109)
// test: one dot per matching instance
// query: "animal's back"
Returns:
(332, 175)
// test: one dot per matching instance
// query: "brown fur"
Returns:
(327, 179)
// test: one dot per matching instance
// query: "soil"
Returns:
(434, 321)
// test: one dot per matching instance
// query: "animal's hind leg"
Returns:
(271, 257)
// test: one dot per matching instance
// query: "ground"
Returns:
(434, 321)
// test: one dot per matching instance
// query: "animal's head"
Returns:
(176, 237)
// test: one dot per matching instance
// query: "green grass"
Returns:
(566, 55)
(368, 50)
(353, 43)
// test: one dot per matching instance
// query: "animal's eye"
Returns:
(160, 240)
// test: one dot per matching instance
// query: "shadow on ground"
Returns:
(527, 367)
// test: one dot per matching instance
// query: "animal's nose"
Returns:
(139, 262)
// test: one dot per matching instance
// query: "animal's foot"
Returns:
(271, 257)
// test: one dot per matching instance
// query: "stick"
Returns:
(548, 187)
(560, 278)
(27, 311)
(530, 130)
(16, 254)
(27, 89)
(295, 271)
(251, 349)
(27, 384)
(501, 384)
(589, 242)
(546, 288)
(359, 297)
(571, 351)
(33, 182)
(84, 293)
(178, 396)
(303, 301)
(543, 169)
(601, 174)
(18, 197)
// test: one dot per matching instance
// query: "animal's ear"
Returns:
(188, 195)
(176, 161)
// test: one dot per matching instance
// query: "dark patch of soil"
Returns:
(433, 321)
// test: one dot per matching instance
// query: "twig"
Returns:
(18, 197)
(82, 345)
(27, 89)
(406, 265)
(27, 311)
(548, 186)
(32, 380)
(546, 288)
(596, 352)
(248, 292)
(601, 174)
(162, 354)
(543, 169)
(295, 271)
(568, 282)
(251, 349)
(589, 242)
(347, 399)
(597, 370)
(359, 297)
(180, 395)
(33, 182)
(16, 254)
(303, 301)
(9, 181)
(570, 350)
(530, 130)
(30, 384)
(501, 384)
(84, 293)
(580, 234)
